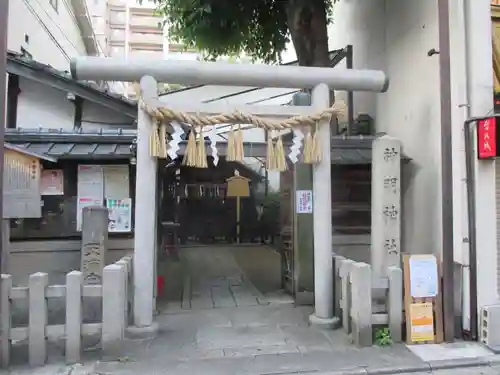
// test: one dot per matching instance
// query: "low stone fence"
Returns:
(115, 293)
(362, 302)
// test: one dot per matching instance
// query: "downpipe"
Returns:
(471, 208)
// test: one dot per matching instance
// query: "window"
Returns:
(55, 4)
(117, 51)
(117, 17)
(117, 35)
(351, 199)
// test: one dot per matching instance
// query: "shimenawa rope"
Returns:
(195, 155)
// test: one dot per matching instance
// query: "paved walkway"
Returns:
(212, 278)
(221, 324)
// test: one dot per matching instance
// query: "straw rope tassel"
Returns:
(163, 141)
(154, 141)
(308, 148)
(238, 145)
(271, 159)
(190, 154)
(316, 154)
(201, 154)
(231, 149)
(280, 156)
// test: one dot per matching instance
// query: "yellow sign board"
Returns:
(238, 186)
(422, 322)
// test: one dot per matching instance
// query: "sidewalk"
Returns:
(226, 326)
(248, 341)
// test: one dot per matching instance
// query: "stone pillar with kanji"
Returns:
(386, 205)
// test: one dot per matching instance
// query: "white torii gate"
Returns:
(149, 72)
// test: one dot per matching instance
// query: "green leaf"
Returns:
(258, 28)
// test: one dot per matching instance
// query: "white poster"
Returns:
(304, 201)
(120, 215)
(423, 276)
(116, 181)
(90, 189)
(90, 182)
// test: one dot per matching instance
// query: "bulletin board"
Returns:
(423, 299)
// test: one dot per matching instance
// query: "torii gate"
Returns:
(149, 72)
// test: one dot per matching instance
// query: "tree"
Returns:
(259, 28)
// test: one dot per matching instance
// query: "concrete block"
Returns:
(361, 284)
(94, 243)
(5, 319)
(337, 259)
(74, 283)
(37, 340)
(345, 304)
(113, 319)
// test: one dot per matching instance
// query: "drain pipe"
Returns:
(471, 208)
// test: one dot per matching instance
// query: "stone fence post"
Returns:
(113, 301)
(361, 284)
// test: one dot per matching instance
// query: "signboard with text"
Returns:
(487, 138)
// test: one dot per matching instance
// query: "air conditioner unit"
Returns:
(489, 326)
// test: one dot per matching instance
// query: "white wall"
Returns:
(395, 36)
(54, 36)
(40, 106)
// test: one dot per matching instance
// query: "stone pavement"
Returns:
(221, 324)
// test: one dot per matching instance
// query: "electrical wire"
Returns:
(44, 26)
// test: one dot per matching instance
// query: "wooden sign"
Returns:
(22, 197)
(238, 186)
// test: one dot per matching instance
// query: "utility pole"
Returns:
(4, 16)
(446, 171)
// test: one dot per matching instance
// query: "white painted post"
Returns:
(125, 264)
(38, 283)
(5, 319)
(145, 214)
(322, 210)
(395, 303)
(386, 205)
(73, 327)
(361, 280)
(113, 301)
(346, 303)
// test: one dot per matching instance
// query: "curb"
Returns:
(428, 367)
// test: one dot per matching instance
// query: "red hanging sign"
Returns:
(487, 138)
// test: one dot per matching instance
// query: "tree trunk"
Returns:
(307, 25)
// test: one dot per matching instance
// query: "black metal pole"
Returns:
(4, 15)
(446, 171)
(350, 94)
(471, 221)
